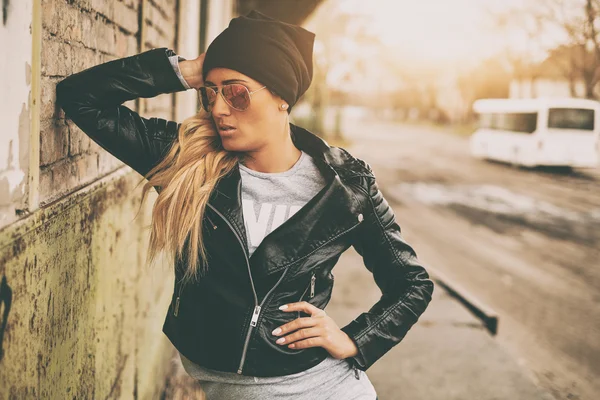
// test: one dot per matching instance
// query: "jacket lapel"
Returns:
(226, 200)
(329, 214)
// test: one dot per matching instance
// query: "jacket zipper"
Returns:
(254, 320)
(311, 286)
(176, 311)
(177, 300)
(212, 223)
(258, 307)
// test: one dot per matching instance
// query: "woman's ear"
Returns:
(283, 105)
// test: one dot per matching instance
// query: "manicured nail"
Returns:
(291, 346)
(276, 331)
(280, 340)
(283, 307)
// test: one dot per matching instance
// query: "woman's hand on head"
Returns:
(318, 330)
(192, 71)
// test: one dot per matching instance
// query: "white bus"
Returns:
(541, 131)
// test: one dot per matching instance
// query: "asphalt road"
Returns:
(525, 242)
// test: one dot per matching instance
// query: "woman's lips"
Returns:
(227, 131)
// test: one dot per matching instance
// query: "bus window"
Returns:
(514, 122)
(571, 118)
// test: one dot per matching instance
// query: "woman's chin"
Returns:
(232, 143)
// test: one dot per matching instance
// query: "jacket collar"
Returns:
(344, 164)
(332, 211)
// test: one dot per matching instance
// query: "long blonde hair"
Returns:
(186, 176)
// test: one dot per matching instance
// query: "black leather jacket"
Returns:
(224, 320)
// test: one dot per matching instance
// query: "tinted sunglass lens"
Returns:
(207, 97)
(237, 96)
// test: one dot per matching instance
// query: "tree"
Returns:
(578, 57)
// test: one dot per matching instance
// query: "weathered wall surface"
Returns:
(86, 315)
(15, 39)
(81, 312)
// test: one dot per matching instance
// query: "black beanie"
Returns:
(272, 52)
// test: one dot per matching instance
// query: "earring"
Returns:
(284, 106)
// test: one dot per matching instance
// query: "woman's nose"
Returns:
(220, 107)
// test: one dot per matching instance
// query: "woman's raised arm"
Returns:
(93, 99)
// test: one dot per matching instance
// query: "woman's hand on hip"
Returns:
(318, 330)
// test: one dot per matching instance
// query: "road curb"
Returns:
(486, 314)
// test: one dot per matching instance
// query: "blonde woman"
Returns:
(256, 212)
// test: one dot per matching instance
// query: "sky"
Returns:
(426, 40)
(439, 31)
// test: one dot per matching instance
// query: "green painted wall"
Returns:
(87, 310)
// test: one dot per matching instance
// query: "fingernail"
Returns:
(280, 340)
(283, 307)
(276, 331)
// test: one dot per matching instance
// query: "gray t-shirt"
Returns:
(331, 379)
(268, 200)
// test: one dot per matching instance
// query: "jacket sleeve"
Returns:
(175, 63)
(405, 285)
(93, 99)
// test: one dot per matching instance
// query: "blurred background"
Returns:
(430, 61)
(477, 116)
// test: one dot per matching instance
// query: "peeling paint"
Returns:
(11, 179)
(5, 6)
(24, 128)
(10, 157)
(5, 303)
(16, 39)
(27, 73)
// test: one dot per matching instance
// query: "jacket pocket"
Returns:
(310, 290)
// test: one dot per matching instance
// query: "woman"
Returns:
(256, 212)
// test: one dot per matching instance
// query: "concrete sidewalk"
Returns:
(447, 355)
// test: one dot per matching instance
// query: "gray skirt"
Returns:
(331, 379)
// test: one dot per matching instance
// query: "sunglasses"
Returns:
(236, 95)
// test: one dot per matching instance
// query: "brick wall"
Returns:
(78, 34)
(82, 310)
